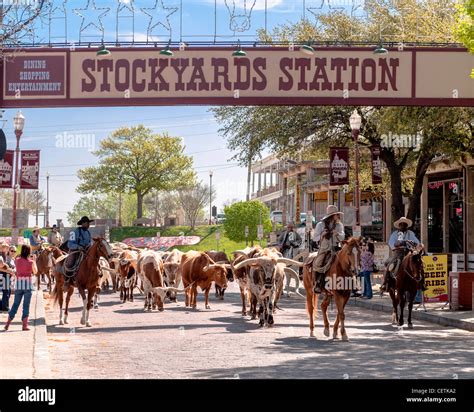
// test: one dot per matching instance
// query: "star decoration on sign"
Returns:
(57, 9)
(159, 16)
(124, 5)
(91, 16)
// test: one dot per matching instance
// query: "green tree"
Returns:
(242, 214)
(464, 25)
(161, 205)
(136, 160)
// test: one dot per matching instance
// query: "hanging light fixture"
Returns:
(167, 51)
(103, 51)
(239, 52)
(307, 48)
(380, 49)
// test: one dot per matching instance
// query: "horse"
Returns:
(45, 262)
(87, 278)
(339, 283)
(405, 286)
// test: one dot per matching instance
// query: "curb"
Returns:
(41, 362)
(419, 315)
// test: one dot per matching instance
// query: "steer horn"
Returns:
(246, 262)
(290, 262)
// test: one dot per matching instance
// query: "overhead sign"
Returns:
(267, 76)
(376, 165)
(436, 278)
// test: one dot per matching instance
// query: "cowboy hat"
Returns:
(403, 219)
(330, 211)
(84, 219)
(4, 244)
(35, 228)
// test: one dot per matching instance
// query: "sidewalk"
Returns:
(24, 355)
(434, 311)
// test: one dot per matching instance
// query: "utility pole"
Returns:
(47, 200)
(37, 206)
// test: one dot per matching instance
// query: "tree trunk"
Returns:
(415, 198)
(139, 205)
(394, 170)
(249, 178)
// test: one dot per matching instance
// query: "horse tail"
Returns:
(55, 294)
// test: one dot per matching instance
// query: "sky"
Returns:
(45, 128)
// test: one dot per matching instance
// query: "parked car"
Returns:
(277, 216)
(303, 219)
(220, 218)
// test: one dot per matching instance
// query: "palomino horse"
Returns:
(45, 263)
(404, 287)
(339, 283)
(87, 278)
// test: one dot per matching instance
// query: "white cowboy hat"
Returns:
(403, 219)
(330, 211)
(35, 228)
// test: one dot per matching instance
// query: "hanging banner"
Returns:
(29, 175)
(339, 166)
(6, 170)
(140, 76)
(436, 278)
(376, 165)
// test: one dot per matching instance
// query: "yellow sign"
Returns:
(436, 278)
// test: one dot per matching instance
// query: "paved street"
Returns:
(126, 342)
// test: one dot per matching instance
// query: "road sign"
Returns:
(260, 232)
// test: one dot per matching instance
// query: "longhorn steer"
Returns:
(266, 281)
(172, 272)
(150, 270)
(221, 257)
(199, 269)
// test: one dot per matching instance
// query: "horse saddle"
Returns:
(71, 263)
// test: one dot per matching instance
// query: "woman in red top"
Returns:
(25, 268)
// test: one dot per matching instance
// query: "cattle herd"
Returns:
(162, 276)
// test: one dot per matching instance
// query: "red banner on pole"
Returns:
(29, 176)
(376, 165)
(339, 166)
(6, 170)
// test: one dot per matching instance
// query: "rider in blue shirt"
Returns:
(79, 239)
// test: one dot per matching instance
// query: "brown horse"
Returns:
(87, 278)
(339, 284)
(405, 286)
(45, 263)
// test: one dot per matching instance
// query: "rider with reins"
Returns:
(79, 241)
(400, 242)
(329, 233)
(36, 240)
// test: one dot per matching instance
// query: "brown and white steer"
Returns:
(150, 270)
(127, 270)
(221, 257)
(172, 271)
(199, 269)
(266, 281)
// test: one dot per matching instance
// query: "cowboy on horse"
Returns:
(401, 242)
(329, 233)
(36, 240)
(79, 241)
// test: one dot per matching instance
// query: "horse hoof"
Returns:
(410, 326)
(161, 309)
(208, 307)
(345, 338)
(96, 306)
(326, 332)
(66, 322)
(244, 313)
(270, 320)
(83, 322)
(88, 324)
(61, 322)
(311, 334)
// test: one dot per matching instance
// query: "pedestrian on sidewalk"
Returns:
(5, 258)
(367, 266)
(25, 269)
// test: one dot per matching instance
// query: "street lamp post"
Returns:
(19, 124)
(210, 197)
(355, 121)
